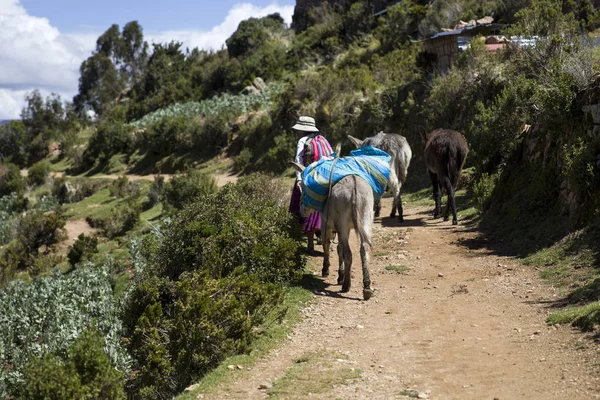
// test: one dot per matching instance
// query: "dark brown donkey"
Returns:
(445, 155)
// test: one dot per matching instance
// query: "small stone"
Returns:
(360, 327)
(465, 386)
(231, 367)
(240, 367)
(542, 359)
(191, 388)
(422, 395)
(265, 386)
(440, 275)
(537, 332)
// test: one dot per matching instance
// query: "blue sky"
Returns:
(154, 15)
(43, 42)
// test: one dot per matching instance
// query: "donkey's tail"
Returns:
(456, 165)
(359, 223)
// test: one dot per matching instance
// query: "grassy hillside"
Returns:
(188, 269)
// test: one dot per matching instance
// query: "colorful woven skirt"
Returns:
(310, 223)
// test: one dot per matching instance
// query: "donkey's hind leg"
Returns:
(340, 252)
(451, 205)
(437, 194)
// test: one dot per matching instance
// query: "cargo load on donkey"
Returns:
(344, 189)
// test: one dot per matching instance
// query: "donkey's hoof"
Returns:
(340, 280)
(454, 222)
(446, 218)
(400, 218)
(345, 288)
(325, 272)
(367, 293)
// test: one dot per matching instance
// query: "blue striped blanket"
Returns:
(370, 163)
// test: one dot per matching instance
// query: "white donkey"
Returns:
(397, 147)
(349, 206)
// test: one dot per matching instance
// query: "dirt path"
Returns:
(460, 323)
(75, 228)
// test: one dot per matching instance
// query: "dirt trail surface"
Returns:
(74, 228)
(454, 321)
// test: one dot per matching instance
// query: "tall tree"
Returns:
(134, 51)
(117, 63)
(99, 84)
(110, 44)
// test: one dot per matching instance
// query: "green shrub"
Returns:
(38, 228)
(109, 139)
(85, 374)
(9, 207)
(36, 231)
(167, 135)
(38, 173)
(121, 221)
(74, 190)
(204, 321)
(155, 192)
(185, 189)
(482, 191)
(122, 187)
(204, 282)
(242, 160)
(82, 249)
(11, 180)
(49, 314)
(239, 226)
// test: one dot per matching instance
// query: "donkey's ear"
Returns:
(356, 142)
(297, 167)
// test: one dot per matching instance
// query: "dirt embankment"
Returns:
(450, 319)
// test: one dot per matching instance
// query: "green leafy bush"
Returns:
(38, 228)
(86, 373)
(38, 172)
(122, 187)
(482, 191)
(35, 235)
(110, 138)
(74, 190)
(204, 282)
(9, 207)
(122, 220)
(155, 192)
(242, 160)
(11, 180)
(187, 188)
(49, 314)
(82, 249)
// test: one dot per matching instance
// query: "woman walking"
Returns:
(311, 147)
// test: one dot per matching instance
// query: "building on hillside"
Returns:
(444, 47)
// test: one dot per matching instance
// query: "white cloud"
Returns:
(215, 38)
(34, 54)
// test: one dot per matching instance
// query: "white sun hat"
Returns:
(305, 124)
